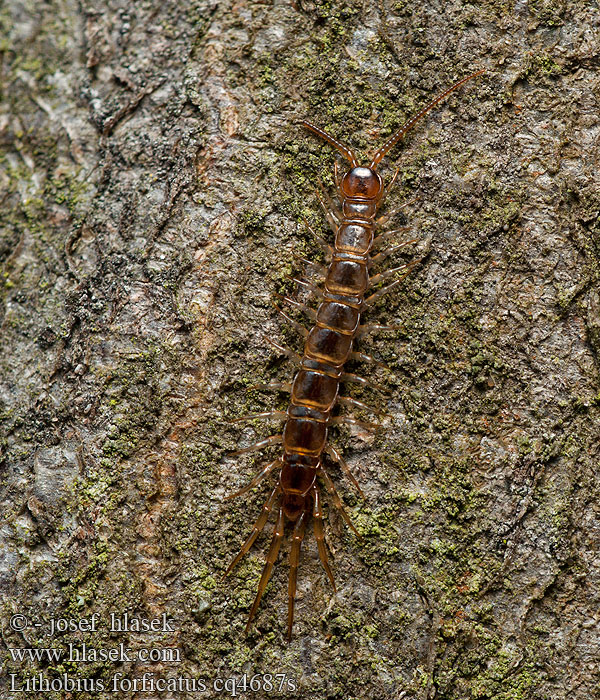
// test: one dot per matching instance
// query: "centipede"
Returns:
(307, 455)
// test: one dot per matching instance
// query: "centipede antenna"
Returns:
(344, 150)
(393, 140)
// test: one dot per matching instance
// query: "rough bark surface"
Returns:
(154, 182)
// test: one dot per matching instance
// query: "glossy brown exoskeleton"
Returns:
(328, 346)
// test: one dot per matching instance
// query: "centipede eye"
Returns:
(362, 183)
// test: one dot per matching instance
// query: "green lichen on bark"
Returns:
(155, 181)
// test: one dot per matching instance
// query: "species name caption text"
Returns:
(151, 683)
(119, 682)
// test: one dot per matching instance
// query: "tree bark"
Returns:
(154, 186)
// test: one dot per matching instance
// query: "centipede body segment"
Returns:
(314, 391)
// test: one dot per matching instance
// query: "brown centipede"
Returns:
(327, 347)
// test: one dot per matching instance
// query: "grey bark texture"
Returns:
(154, 184)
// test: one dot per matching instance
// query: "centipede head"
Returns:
(362, 183)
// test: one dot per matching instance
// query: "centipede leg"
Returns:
(348, 401)
(321, 269)
(382, 220)
(297, 538)
(255, 481)
(337, 502)
(332, 207)
(320, 534)
(368, 327)
(388, 234)
(257, 529)
(348, 377)
(308, 285)
(265, 414)
(298, 326)
(286, 351)
(388, 273)
(387, 190)
(273, 440)
(311, 313)
(367, 358)
(390, 251)
(322, 242)
(279, 386)
(384, 290)
(329, 213)
(337, 457)
(268, 568)
(346, 420)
